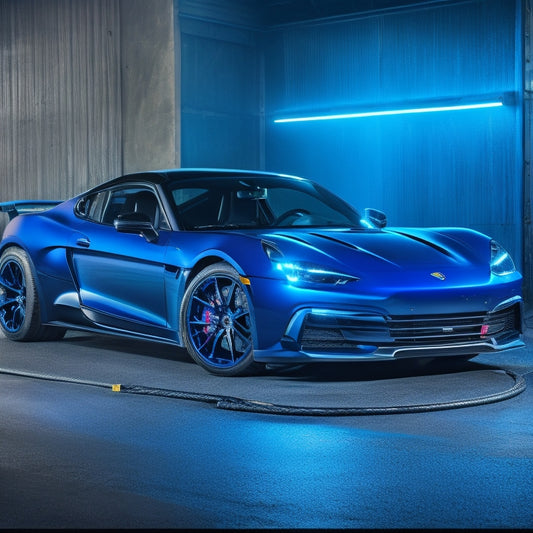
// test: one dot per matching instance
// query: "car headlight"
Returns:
(501, 263)
(308, 272)
(302, 271)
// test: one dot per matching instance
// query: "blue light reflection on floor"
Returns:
(219, 469)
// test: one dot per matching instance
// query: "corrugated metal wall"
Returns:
(449, 168)
(87, 91)
(60, 121)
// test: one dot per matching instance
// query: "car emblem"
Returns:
(438, 275)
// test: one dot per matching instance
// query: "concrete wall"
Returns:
(150, 108)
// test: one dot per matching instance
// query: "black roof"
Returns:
(157, 177)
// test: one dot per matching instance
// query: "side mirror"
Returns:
(136, 223)
(377, 218)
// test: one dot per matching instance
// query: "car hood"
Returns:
(391, 252)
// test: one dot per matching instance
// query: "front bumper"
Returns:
(321, 334)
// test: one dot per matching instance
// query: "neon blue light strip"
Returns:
(391, 112)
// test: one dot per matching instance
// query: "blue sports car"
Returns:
(244, 268)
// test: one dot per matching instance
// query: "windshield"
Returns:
(258, 202)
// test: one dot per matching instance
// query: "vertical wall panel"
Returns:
(527, 37)
(450, 168)
(60, 122)
(220, 95)
(149, 107)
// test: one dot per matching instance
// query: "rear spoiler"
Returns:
(19, 207)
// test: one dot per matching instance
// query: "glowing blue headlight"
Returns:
(501, 263)
(306, 272)
(303, 272)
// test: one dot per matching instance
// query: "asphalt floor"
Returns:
(78, 450)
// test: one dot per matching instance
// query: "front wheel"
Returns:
(217, 322)
(20, 317)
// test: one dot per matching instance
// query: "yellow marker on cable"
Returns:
(115, 388)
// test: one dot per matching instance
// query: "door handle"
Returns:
(84, 242)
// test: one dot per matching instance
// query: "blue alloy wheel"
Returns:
(20, 316)
(217, 322)
(12, 296)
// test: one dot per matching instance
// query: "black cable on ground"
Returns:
(51, 377)
(252, 406)
(260, 407)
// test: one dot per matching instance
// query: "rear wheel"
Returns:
(217, 322)
(20, 317)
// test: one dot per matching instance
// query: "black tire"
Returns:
(20, 314)
(217, 322)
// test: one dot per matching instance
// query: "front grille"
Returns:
(330, 333)
(446, 329)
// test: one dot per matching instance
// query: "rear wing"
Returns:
(19, 207)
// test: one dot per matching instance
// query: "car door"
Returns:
(121, 276)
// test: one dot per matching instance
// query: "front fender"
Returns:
(243, 252)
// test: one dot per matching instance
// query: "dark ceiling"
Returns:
(280, 12)
(268, 14)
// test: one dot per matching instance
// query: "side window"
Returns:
(135, 200)
(92, 206)
(118, 204)
(103, 207)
